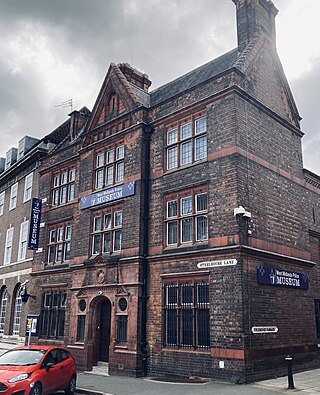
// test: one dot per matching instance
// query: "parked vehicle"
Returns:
(37, 370)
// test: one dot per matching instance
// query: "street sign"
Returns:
(222, 262)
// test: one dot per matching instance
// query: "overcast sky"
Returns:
(55, 50)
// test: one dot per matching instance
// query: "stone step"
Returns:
(102, 369)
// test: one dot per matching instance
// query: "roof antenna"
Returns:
(132, 58)
(66, 103)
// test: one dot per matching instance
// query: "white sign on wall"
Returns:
(223, 262)
(264, 329)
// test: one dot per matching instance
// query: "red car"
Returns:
(37, 370)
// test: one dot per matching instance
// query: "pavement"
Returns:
(92, 384)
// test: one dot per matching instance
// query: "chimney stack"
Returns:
(254, 16)
(135, 77)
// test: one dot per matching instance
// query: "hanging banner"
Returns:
(108, 195)
(270, 276)
(34, 228)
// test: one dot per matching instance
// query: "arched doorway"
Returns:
(101, 331)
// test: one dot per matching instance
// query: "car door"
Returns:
(51, 372)
(63, 369)
(67, 367)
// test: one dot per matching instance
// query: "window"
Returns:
(186, 143)
(8, 250)
(317, 315)
(63, 190)
(53, 314)
(23, 241)
(186, 218)
(81, 325)
(186, 314)
(122, 328)
(81, 328)
(28, 187)
(2, 195)
(3, 309)
(109, 167)
(17, 312)
(13, 196)
(59, 244)
(106, 231)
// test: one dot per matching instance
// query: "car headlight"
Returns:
(21, 377)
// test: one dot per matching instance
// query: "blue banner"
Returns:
(277, 277)
(34, 229)
(108, 195)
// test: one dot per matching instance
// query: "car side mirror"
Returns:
(49, 365)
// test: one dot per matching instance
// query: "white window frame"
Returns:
(27, 187)
(13, 196)
(23, 240)
(2, 197)
(17, 312)
(8, 248)
(3, 309)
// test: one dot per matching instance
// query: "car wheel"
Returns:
(36, 389)
(70, 390)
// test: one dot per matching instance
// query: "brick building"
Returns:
(181, 233)
(19, 183)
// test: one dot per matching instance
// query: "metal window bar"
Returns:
(122, 326)
(202, 316)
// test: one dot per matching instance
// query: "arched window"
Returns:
(3, 309)
(17, 312)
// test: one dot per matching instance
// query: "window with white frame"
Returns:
(186, 218)
(27, 187)
(17, 312)
(59, 243)
(2, 196)
(13, 196)
(186, 143)
(8, 249)
(23, 240)
(63, 189)
(109, 167)
(106, 233)
(3, 309)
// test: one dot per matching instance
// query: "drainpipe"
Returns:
(147, 129)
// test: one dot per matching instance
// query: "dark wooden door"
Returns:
(105, 318)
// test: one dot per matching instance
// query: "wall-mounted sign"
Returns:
(108, 195)
(32, 325)
(34, 227)
(223, 262)
(270, 276)
(264, 329)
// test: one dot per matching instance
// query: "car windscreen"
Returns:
(21, 357)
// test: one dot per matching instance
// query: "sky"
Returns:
(55, 50)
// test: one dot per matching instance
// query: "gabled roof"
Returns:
(115, 81)
(194, 77)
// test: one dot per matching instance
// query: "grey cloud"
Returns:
(164, 38)
(306, 91)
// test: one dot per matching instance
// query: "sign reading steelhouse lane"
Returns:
(108, 195)
(222, 262)
(270, 276)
